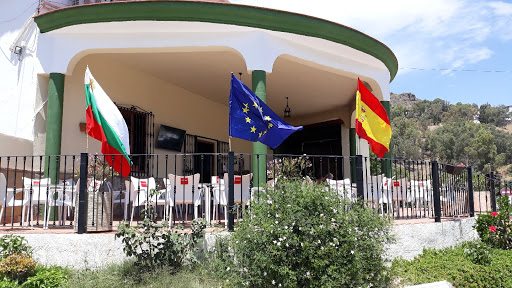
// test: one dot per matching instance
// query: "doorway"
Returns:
(203, 163)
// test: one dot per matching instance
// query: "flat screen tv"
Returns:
(170, 138)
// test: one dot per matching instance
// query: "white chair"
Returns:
(138, 193)
(242, 193)
(185, 190)
(343, 188)
(399, 191)
(66, 197)
(5, 198)
(37, 192)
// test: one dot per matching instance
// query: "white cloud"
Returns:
(422, 33)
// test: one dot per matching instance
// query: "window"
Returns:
(142, 130)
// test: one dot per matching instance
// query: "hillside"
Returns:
(451, 133)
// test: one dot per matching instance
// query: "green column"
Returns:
(386, 164)
(352, 138)
(259, 87)
(54, 125)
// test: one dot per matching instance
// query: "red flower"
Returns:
(492, 228)
(494, 213)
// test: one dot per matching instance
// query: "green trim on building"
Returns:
(386, 166)
(239, 15)
(54, 125)
(259, 163)
(353, 150)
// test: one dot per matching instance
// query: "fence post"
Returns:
(437, 192)
(493, 192)
(82, 197)
(231, 190)
(471, 194)
(359, 176)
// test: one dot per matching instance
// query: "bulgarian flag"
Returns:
(372, 122)
(106, 124)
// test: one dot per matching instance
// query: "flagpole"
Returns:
(87, 144)
(229, 143)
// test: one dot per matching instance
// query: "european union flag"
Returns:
(251, 119)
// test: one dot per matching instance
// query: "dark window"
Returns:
(141, 129)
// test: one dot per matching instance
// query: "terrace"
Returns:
(85, 195)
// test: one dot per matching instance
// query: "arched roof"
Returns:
(219, 11)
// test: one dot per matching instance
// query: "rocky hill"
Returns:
(406, 99)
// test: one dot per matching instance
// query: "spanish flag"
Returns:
(372, 122)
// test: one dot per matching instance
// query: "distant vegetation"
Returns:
(451, 133)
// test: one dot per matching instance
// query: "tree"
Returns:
(482, 149)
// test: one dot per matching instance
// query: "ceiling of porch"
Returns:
(311, 88)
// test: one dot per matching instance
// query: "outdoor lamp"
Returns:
(287, 110)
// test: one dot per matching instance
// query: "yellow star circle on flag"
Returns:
(253, 129)
(247, 120)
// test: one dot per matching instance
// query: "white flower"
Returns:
(322, 248)
(264, 273)
(273, 282)
(286, 244)
(227, 269)
(352, 252)
(321, 215)
(285, 227)
(301, 244)
(277, 215)
(278, 243)
(279, 285)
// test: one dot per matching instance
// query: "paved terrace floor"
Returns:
(219, 226)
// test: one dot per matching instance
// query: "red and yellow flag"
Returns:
(372, 122)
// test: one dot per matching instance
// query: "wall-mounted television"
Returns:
(170, 138)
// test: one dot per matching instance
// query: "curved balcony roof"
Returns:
(222, 12)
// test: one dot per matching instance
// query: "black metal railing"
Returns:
(83, 192)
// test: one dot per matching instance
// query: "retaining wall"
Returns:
(94, 251)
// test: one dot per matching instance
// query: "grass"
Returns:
(128, 275)
(462, 266)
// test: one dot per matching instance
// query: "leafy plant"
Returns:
(53, 276)
(13, 244)
(153, 244)
(98, 167)
(494, 228)
(288, 167)
(477, 252)
(455, 266)
(17, 266)
(303, 235)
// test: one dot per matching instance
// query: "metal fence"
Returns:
(83, 192)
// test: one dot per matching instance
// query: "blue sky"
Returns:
(431, 35)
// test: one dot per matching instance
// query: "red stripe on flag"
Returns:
(119, 162)
(372, 102)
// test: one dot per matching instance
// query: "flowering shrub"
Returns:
(494, 227)
(302, 235)
(288, 167)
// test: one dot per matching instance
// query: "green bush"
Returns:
(153, 244)
(6, 283)
(303, 235)
(494, 228)
(13, 244)
(456, 266)
(17, 266)
(53, 276)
